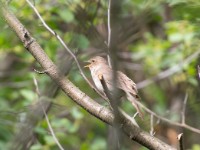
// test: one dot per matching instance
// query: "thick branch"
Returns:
(73, 92)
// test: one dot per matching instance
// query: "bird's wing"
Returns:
(123, 82)
(129, 87)
(126, 84)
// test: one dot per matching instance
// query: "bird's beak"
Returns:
(87, 66)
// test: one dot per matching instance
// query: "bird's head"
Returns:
(96, 62)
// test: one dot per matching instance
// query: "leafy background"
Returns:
(153, 37)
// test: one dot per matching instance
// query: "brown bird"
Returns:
(101, 70)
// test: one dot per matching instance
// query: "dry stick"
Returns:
(65, 46)
(180, 139)
(51, 130)
(46, 117)
(169, 121)
(152, 128)
(184, 107)
(109, 33)
(170, 71)
(72, 91)
(106, 91)
(25, 141)
(114, 101)
(116, 114)
(117, 109)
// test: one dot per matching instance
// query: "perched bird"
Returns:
(101, 70)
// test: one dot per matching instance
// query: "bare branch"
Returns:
(46, 117)
(51, 130)
(36, 86)
(25, 137)
(169, 121)
(169, 71)
(184, 107)
(109, 33)
(152, 128)
(65, 46)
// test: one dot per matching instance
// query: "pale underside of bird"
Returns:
(101, 70)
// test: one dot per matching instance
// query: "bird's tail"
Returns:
(133, 99)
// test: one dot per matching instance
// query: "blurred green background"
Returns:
(158, 47)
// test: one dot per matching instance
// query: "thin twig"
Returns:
(41, 72)
(36, 86)
(51, 130)
(169, 71)
(135, 115)
(46, 117)
(169, 121)
(109, 33)
(152, 128)
(184, 107)
(65, 46)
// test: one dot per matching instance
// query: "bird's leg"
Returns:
(137, 108)
(133, 100)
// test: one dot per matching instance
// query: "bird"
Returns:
(100, 70)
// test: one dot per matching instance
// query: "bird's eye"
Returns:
(93, 60)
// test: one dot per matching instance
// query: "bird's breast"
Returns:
(95, 76)
(97, 82)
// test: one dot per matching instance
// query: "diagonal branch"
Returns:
(169, 72)
(65, 46)
(73, 92)
(183, 125)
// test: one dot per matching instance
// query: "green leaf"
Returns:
(50, 140)
(28, 94)
(36, 147)
(40, 130)
(65, 124)
(193, 81)
(66, 15)
(76, 113)
(82, 42)
(98, 144)
(196, 147)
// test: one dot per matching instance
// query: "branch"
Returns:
(109, 33)
(65, 46)
(45, 114)
(184, 107)
(183, 125)
(25, 137)
(169, 71)
(73, 92)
